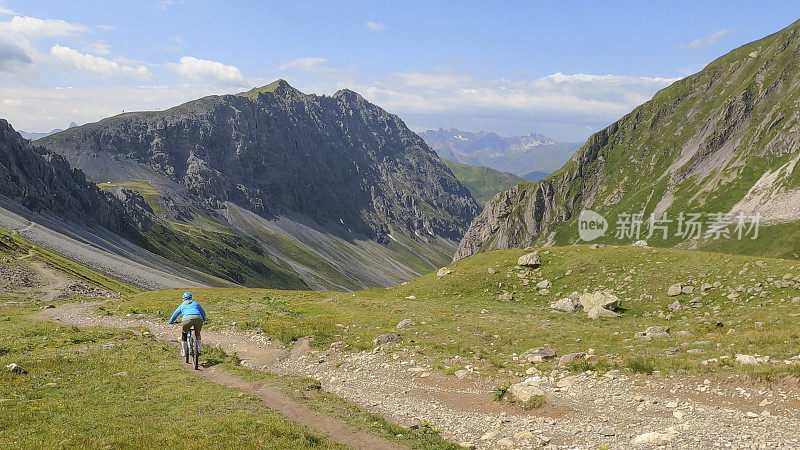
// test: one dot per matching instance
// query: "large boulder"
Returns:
(530, 260)
(598, 299)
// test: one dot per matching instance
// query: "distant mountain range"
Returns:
(531, 157)
(33, 135)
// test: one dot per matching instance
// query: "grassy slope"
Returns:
(482, 182)
(450, 321)
(98, 387)
(221, 253)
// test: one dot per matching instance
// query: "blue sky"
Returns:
(564, 70)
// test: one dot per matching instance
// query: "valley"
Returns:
(364, 286)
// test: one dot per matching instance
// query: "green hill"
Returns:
(723, 140)
(483, 182)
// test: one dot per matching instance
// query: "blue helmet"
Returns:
(187, 295)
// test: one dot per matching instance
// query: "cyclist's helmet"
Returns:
(187, 295)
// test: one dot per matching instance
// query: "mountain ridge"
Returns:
(307, 166)
(699, 145)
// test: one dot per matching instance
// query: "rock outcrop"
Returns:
(44, 182)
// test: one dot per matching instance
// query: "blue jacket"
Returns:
(191, 308)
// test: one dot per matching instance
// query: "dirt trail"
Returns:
(54, 281)
(582, 411)
(253, 353)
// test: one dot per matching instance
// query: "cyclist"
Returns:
(193, 316)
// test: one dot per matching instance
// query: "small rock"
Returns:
(505, 442)
(751, 415)
(570, 357)
(443, 271)
(748, 360)
(537, 355)
(14, 368)
(653, 438)
(411, 297)
(678, 414)
(490, 270)
(640, 243)
(506, 296)
(565, 304)
(544, 284)
(567, 381)
(461, 374)
(405, 323)
(657, 332)
(674, 290)
(606, 430)
(675, 306)
(597, 312)
(386, 338)
(524, 391)
(530, 260)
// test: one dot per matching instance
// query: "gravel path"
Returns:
(582, 411)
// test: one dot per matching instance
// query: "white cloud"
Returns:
(4, 10)
(375, 26)
(17, 52)
(98, 65)
(305, 64)
(165, 4)
(42, 109)
(32, 27)
(707, 41)
(195, 69)
(586, 94)
(99, 48)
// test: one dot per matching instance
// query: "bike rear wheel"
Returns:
(193, 347)
(187, 350)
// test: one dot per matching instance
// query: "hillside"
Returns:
(524, 156)
(333, 189)
(483, 182)
(721, 141)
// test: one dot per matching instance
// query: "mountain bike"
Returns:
(192, 350)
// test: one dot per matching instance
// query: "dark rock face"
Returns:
(275, 150)
(42, 181)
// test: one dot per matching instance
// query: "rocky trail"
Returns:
(581, 411)
(81, 315)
